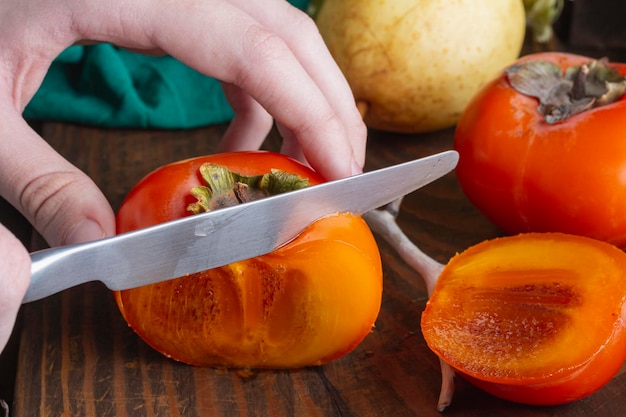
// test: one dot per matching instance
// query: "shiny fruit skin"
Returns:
(309, 302)
(526, 175)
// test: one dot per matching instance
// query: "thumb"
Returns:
(14, 279)
(63, 204)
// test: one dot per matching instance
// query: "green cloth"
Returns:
(106, 86)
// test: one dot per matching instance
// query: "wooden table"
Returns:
(77, 357)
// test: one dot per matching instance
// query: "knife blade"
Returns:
(208, 240)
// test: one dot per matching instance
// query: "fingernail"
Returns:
(356, 167)
(84, 231)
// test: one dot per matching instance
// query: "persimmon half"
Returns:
(534, 318)
(308, 302)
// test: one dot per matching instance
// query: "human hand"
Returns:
(276, 65)
(273, 64)
(269, 56)
(326, 126)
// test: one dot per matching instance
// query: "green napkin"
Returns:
(107, 86)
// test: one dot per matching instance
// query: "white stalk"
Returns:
(383, 222)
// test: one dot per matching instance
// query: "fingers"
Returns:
(268, 49)
(63, 204)
(307, 96)
(304, 40)
(250, 125)
(14, 280)
(264, 65)
(290, 145)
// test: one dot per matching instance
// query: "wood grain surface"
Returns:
(77, 357)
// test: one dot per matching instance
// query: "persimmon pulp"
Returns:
(291, 308)
(535, 318)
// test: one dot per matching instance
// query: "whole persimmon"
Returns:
(541, 147)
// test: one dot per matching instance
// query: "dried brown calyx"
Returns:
(563, 94)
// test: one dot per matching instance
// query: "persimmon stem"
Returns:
(447, 386)
(383, 222)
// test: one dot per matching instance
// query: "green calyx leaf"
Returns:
(225, 188)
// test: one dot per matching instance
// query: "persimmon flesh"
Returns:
(535, 318)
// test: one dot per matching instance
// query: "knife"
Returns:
(215, 238)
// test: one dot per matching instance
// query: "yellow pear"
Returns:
(413, 65)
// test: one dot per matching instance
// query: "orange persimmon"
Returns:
(542, 147)
(309, 302)
(535, 318)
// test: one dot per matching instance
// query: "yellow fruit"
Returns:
(413, 65)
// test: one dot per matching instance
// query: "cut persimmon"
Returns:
(306, 303)
(536, 318)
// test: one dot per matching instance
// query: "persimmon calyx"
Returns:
(225, 188)
(564, 94)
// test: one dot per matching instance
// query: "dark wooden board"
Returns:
(78, 358)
